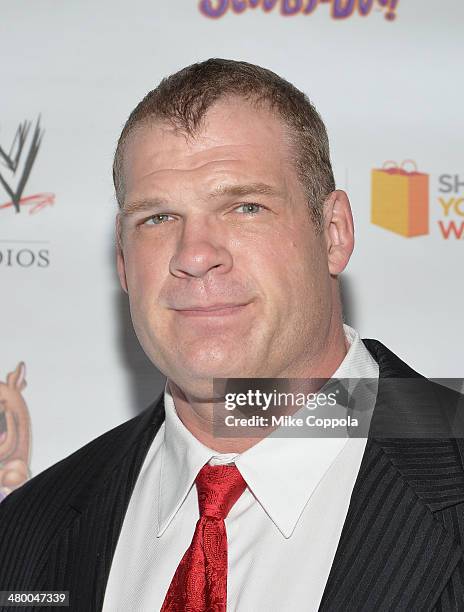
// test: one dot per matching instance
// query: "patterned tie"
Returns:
(200, 581)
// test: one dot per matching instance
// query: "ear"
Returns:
(338, 231)
(15, 380)
(120, 255)
(21, 382)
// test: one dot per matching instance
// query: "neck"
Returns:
(198, 416)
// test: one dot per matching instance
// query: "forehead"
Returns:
(234, 137)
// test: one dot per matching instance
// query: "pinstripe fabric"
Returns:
(59, 531)
(393, 553)
(400, 547)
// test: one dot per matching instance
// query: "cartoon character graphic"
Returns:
(15, 432)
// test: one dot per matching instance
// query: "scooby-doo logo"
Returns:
(14, 432)
(16, 163)
(339, 9)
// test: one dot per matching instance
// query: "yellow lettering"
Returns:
(446, 204)
(457, 207)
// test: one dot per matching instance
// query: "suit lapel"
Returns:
(82, 548)
(394, 553)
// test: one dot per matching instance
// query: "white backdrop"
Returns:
(387, 90)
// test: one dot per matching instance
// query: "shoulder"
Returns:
(58, 484)
(426, 419)
(393, 369)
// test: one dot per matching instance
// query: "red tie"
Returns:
(200, 581)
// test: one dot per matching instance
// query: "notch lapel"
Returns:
(394, 552)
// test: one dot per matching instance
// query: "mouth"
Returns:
(218, 310)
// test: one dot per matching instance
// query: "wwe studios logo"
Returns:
(16, 164)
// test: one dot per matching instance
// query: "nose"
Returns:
(199, 251)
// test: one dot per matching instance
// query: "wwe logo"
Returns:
(12, 160)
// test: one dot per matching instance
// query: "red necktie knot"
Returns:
(219, 487)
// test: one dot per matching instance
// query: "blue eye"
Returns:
(155, 219)
(248, 206)
(249, 209)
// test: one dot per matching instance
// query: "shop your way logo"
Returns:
(400, 201)
(339, 9)
(16, 164)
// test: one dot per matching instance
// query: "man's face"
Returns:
(217, 221)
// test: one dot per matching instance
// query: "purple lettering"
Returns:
(342, 8)
(390, 14)
(214, 8)
(268, 5)
(291, 7)
(238, 6)
(365, 7)
(310, 6)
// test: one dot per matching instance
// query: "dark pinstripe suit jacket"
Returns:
(401, 546)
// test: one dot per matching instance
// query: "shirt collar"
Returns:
(265, 466)
(183, 457)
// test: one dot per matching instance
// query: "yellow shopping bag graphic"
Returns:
(400, 199)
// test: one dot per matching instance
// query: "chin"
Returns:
(213, 364)
(208, 371)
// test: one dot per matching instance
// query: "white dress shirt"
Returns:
(282, 532)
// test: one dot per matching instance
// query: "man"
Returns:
(231, 236)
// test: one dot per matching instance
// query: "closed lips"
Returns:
(210, 308)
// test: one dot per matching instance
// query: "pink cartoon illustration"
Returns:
(14, 432)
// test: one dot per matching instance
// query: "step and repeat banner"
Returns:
(386, 76)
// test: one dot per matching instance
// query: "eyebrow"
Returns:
(220, 191)
(141, 205)
(243, 190)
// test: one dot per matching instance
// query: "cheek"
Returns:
(290, 256)
(302, 267)
(277, 268)
(144, 272)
